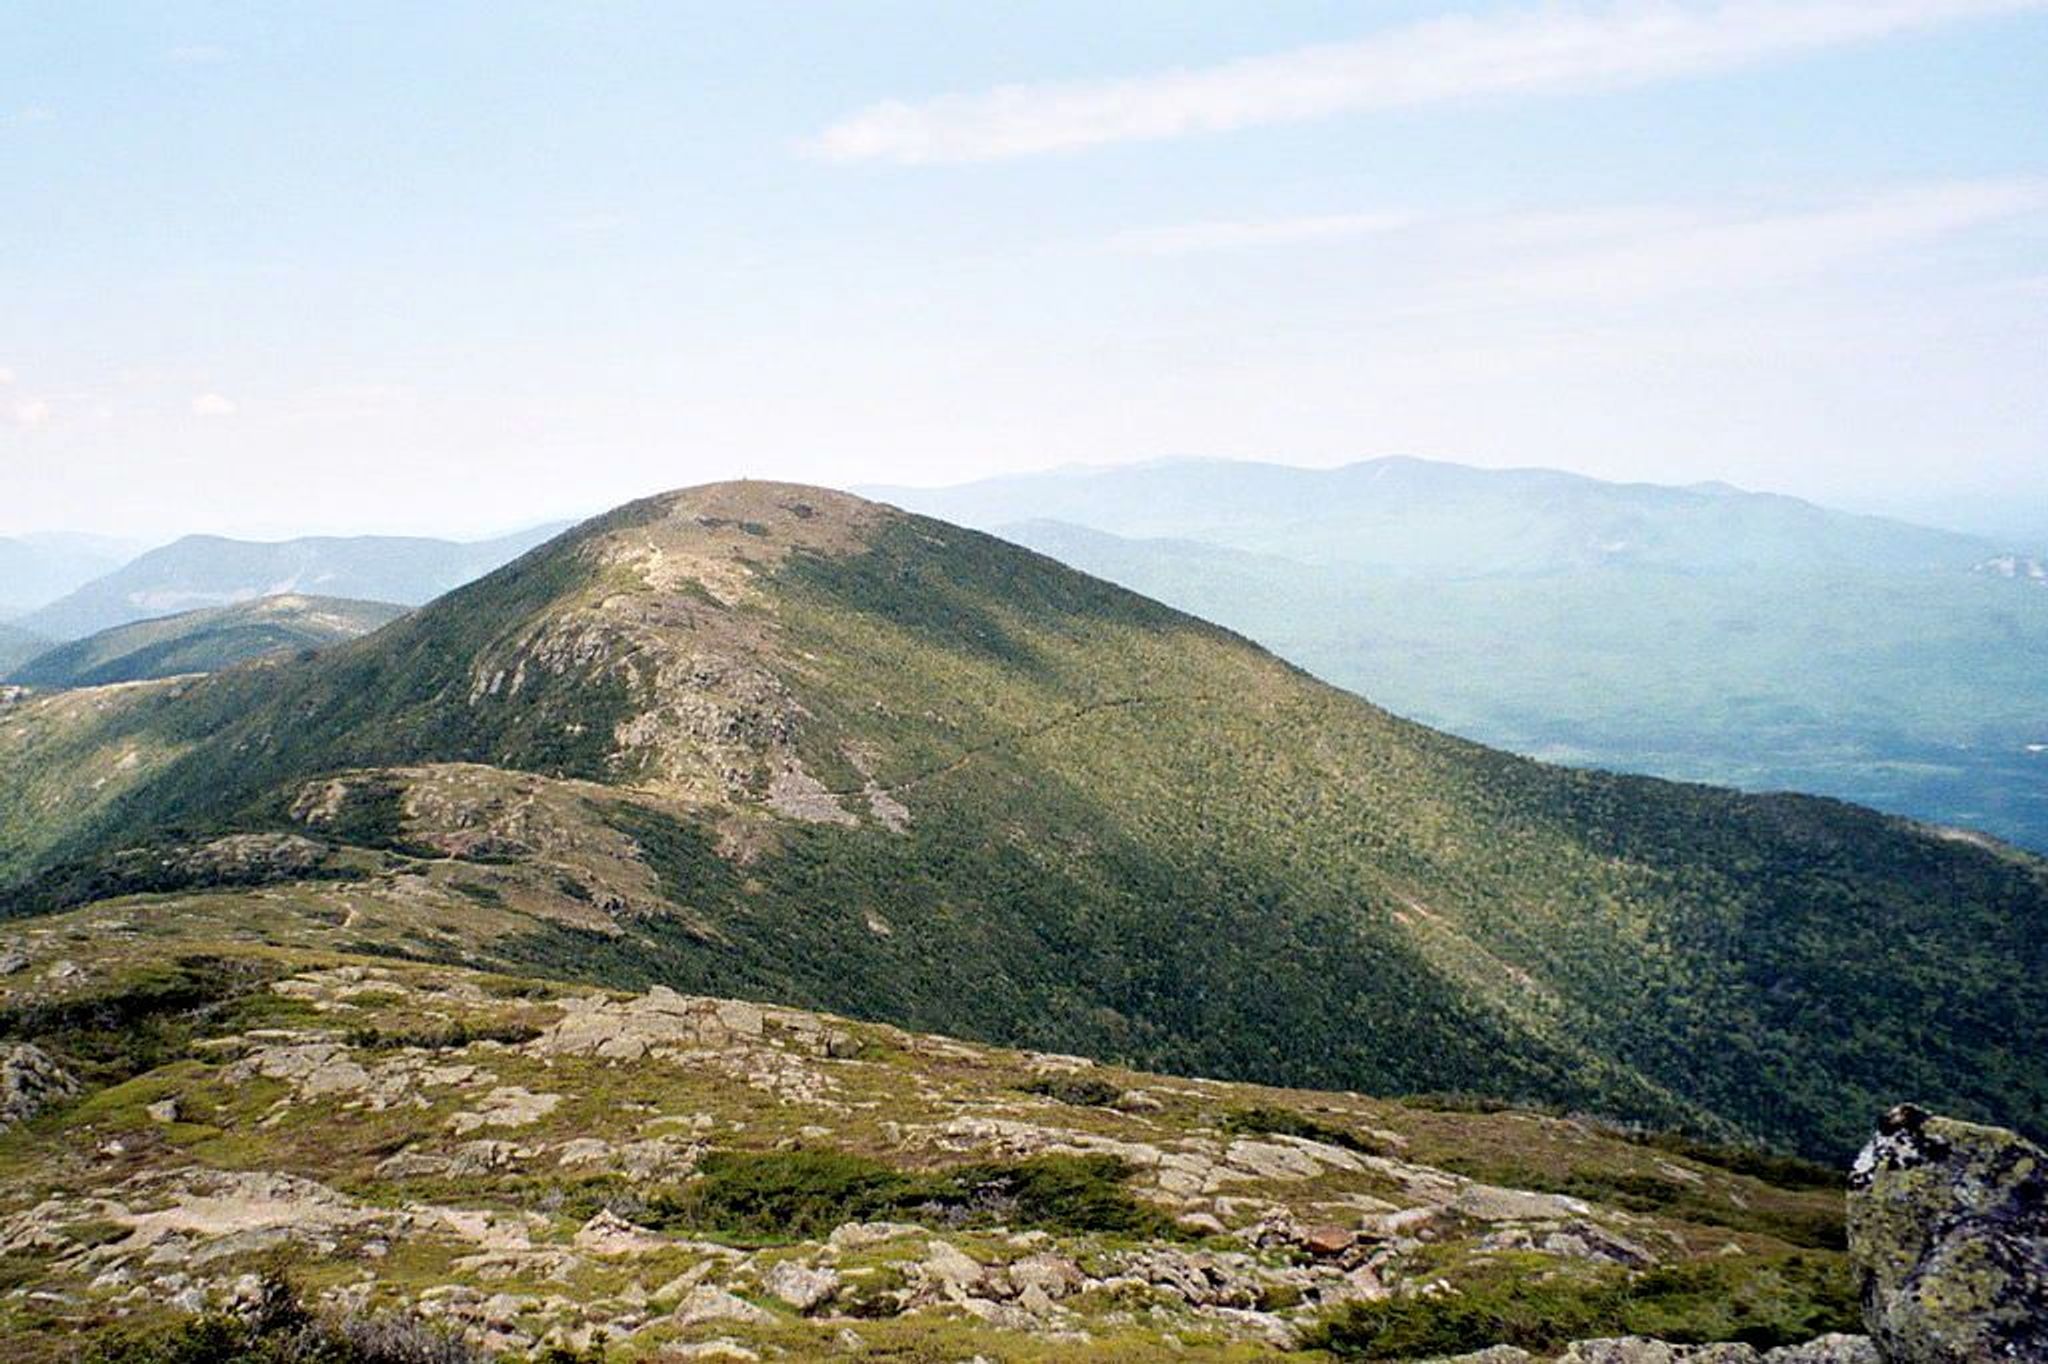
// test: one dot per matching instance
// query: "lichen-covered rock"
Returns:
(30, 1082)
(1828, 1349)
(1948, 1226)
(1637, 1350)
(799, 1285)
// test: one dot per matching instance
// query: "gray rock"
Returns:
(707, 1303)
(30, 1082)
(1948, 1229)
(799, 1285)
(1637, 1350)
(1830, 1349)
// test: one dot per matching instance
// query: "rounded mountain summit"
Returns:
(774, 741)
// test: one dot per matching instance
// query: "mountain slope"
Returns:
(204, 641)
(521, 1163)
(762, 740)
(1912, 692)
(208, 570)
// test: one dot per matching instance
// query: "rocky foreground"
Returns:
(502, 1166)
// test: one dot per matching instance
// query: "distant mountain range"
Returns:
(203, 641)
(1702, 633)
(1417, 516)
(36, 569)
(209, 570)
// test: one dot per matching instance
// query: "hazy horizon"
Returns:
(2021, 528)
(386, 268)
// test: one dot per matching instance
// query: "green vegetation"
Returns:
(278, 1329)
(1700, 635)
(143, 1020)
(769, 1196)
(1083, 1091)
(1639, 1191)
(1264, 1120)
(444, 1036)
(1129, 835)
(1785, 1301)
(204, 641)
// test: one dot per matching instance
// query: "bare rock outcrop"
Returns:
(30, 1081)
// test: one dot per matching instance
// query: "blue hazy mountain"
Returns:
(210, 570)
(38, 569)
(1702, 633)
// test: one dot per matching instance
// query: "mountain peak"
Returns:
(708, 531)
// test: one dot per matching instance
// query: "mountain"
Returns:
(18, 646)
(209, 570)
(777, 742)
(37, 569)
(1415, 516)
(1698, 633)
(427, 1150)
(204, 641)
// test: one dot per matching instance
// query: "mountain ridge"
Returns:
(198, 571)
(1740, 643)
(802, 746)
(1405, 515)
(204, 640)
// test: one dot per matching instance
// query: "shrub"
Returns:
(798, 1195)
(278, 1329)
(442, 1036)
(1285, 1122)
(794, 1195)
(1764, 1302)
(1083, 1091)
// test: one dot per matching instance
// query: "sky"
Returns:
(458, 267)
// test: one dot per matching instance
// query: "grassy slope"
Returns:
(1913, 691)
(204, 641)
(164, 996)
(1135, 835)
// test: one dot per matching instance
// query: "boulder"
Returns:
(861, 1235)
(609, 1234)
(1327, 1241)
(951, 1271)
(1829, 1349)
(799, 1285)
(707, 1303)
(30, 1081)
(1948, 1229)
(1637, 1350)
(1055, 1276)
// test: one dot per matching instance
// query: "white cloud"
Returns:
(6, 376)
(31, 412)
(1555, 49)
(212, 405)
(1711, 252)
(34, 113)
(1620, 251)
(1182, 238)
